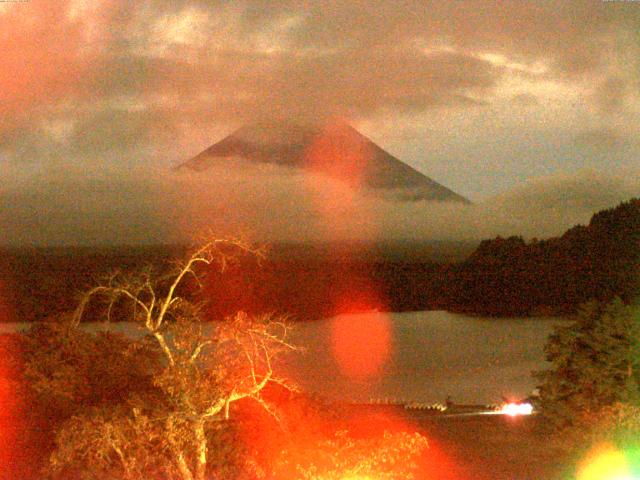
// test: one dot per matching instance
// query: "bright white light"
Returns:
(514, 409)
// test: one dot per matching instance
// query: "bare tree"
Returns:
(205, 367)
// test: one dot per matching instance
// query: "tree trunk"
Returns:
(181, 462)
(123, 461)
(183, 467)
(201, 450)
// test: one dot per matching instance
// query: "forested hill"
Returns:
(304, 280)
(507, 276)
(501, 277)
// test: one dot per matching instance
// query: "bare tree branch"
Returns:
(199, 384)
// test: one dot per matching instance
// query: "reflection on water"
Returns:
(431, 355)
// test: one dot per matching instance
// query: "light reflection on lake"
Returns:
(433, 355)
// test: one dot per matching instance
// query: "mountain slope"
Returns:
(336, 150)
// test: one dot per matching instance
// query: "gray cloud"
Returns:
(100, 96)
(602, 139)
(270, 203)
(610, 94)
(233, 61)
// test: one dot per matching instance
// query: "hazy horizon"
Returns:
(266, 203)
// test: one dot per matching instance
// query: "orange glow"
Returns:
(361, 343)
(8, 413)
(433, 463)
(35, 70)
(605, 463)
(438, 465)
(311, 440)
(515, 409)
(339, 156)
(339, 153)
(7, 398)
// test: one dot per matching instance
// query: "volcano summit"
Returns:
(336, 150)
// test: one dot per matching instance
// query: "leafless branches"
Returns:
(208, 366)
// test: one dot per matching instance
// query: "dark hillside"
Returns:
(38, 283)
(501, 277)
(304, 280)
(511, 277)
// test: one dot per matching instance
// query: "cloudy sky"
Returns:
(511, 104)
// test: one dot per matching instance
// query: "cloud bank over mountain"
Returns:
(268, 203)
(333, 148)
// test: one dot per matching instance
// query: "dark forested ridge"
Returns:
(499, 277)
(507, 276)
(304, 280)
(36, 283)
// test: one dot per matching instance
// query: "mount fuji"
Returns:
(336, 150)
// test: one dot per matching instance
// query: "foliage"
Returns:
(387, 456)
(160, 404)
(595, 364)
(71, 369)
(595, 262)
(618, 423)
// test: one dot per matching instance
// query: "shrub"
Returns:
(595, 365)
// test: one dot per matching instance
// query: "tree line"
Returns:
(501, 277)
(509, 276)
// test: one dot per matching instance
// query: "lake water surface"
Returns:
(422, 356)
(432, 355)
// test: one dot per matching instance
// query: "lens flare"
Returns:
(8, 401)
(9, 417)
(336, 165)
(361, 343)
(515, 409)
(606, 463)
(339, 152)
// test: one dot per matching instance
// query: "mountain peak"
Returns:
(334, 149)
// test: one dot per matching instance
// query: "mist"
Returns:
(269, 203)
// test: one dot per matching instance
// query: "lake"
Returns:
(414, 356)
